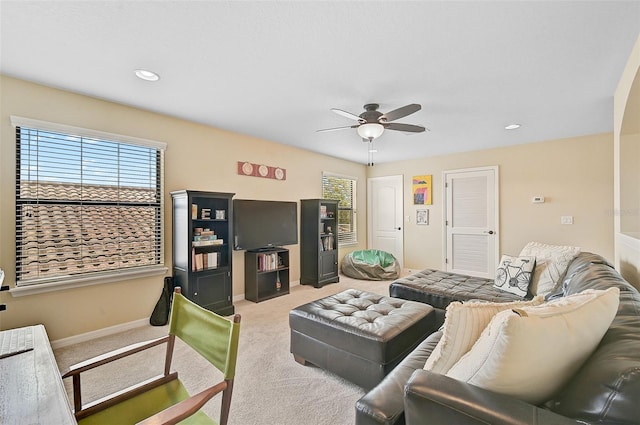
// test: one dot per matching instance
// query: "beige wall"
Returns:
(574, 175)
(626, 114)
(198, 157)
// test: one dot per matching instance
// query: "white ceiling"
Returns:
(273, 69)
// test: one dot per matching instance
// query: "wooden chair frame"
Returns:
(171, 415)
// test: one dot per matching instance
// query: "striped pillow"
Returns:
(463, 324)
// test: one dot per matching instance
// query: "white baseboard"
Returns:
(64, 342)
(99, 333)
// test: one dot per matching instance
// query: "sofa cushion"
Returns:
(463, 324)
(532, 352)
(514, 274)
(551, 264)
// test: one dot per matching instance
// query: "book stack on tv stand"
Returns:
(202, 230)
(319, 242)
(266, 273)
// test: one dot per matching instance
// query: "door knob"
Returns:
(399, 228)
(489, 232)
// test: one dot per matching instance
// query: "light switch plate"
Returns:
(566, 219)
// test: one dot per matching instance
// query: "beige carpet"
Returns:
(270, 387)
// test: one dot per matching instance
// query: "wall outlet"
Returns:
(538, 200)
(566, 219)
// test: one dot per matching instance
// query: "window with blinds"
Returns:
(85, 204)
(342, 189)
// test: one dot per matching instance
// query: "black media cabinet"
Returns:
(266, 273)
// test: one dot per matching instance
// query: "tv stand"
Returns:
(266, 273)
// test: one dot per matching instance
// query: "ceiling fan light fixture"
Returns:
(370, 130)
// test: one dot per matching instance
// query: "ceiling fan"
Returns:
(372, 123)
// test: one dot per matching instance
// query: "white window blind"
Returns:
(85, 204)
(343, 189)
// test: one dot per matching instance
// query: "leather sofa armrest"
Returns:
(438, 399)
(384, 404)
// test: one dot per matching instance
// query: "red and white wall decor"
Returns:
(260, 170)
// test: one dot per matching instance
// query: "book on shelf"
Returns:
(268, 262)
(213, 259)
(194, 211)
(199, 261)
(210, 260)
(205, 237)
(199, 231)
(326, 242)
(204, 260)
(208, 242)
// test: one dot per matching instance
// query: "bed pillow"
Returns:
(514, 274)
(551, 263)
(463, 324)
(531, 352)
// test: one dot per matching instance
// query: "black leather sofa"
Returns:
(606, 390)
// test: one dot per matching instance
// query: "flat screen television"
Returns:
(264, 224)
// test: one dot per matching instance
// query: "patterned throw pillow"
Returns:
(551, 263)
(514, 274)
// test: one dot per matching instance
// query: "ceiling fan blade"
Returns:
(347, 114)
(336, 128)
(405, 127)
(400, 112)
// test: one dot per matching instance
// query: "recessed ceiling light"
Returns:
(147, 75)
(512, 126)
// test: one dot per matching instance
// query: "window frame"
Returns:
(350, 238)
(51, 283)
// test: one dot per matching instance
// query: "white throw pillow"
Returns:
(530, 353)
(463, 324)
(551, 263)
(514, 274)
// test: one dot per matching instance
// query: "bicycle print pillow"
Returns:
(514, 274)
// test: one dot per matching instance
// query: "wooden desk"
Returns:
(31, 388)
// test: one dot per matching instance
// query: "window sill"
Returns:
(347, 244)
(59, 283)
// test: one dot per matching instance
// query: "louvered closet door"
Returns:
(472, 222)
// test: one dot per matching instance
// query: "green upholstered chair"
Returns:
(163, 399)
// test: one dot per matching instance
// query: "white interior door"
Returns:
(471, 221)
(384, 218)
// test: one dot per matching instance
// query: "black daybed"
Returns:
(439, 289)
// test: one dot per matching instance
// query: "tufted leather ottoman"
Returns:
(358, 335)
